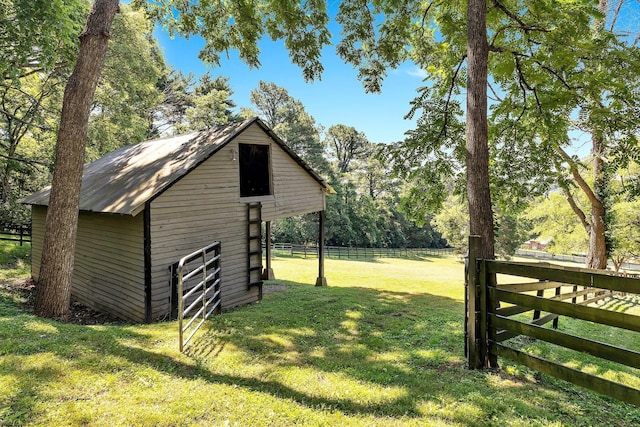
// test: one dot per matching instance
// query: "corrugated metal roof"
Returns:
(124, 180)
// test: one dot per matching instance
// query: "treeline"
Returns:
(140, 97)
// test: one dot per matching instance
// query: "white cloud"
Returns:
(417, 72)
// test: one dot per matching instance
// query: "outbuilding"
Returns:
(144, 206)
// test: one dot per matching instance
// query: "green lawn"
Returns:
(381, 346)
(14, 260)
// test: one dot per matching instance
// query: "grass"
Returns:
(381, 346)
(14, 260)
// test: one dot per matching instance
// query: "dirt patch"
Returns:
(21, 288)
(79, 314)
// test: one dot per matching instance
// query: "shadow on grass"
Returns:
(356, 337)
(380, 339)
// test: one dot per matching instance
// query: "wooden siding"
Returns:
(295, 192)
(206, 206)
(109, 264)
(38, 216)
(202, 207)
(108, 273)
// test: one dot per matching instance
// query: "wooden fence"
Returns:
(353, 252)
(492, 305)
(15, 232)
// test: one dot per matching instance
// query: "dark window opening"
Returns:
(254, 170)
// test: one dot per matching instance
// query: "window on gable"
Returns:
(255, 179)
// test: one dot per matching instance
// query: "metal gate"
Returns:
(196, 290)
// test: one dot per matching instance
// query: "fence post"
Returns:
(173, 315)
(487, 307)
(475, 354)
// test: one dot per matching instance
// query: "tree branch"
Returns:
(616, 14)
(443, 132)
(579, 212)
(524, 85)
(26, 161)
(495, 94)
(522, 25)
(424, 16)
(578, 178)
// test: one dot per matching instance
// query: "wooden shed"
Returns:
(145, 206)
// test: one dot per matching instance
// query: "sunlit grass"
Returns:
(14, 260)
(382, 345)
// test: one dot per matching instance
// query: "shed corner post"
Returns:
(321, 280)
(267, 273)
(148, 304)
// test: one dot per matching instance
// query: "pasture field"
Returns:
(382, 345)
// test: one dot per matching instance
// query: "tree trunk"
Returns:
(53, 291)
(597, 254)
(477, 161)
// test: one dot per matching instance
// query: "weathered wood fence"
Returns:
(15, 232)
(492, 305)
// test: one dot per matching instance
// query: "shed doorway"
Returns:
(255, 167)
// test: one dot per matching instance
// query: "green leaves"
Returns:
(345, 145)
(127, 94)
(38, 35)
(240, 25)
(291, 122)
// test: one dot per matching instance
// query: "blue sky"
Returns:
(338, 98)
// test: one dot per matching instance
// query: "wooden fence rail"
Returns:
(15, 232)
(492, 305)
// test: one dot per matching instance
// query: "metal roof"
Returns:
(124, 180)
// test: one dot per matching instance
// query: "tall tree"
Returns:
(291, 122)
(54, 287)
(478, 191)
(344, 145)
(28, 109)
(38, 35)
(211, 104)
(177, 93)
(125, 99)
(272, 102)
(605, 138)
(541, 72)
(38, 41)
(127, 95)
(373, 176)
